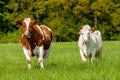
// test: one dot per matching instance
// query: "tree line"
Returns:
(64, 17)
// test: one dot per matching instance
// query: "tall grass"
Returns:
(64, 63)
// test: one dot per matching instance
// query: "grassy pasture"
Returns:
(64, 63)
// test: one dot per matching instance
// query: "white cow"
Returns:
(90, 43)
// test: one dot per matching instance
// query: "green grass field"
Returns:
(64, 63)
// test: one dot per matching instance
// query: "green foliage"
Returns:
(64, 17)
(10, 37)
(64, 63)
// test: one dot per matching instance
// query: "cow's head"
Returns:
(85, 32)
(27, 26)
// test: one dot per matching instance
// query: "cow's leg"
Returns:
(85, 52)
(47, 53)
(27, 55)
(82, 56)
(100, 55)
(46, 57)
(89, 57)
(40, 56)
(93, 55)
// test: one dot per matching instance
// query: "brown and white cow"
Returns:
(36, 40)
(90, 43)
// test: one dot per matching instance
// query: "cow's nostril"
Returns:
(28, 35)
(85, 40)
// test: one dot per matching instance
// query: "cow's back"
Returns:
(47, 36)
(99, 38)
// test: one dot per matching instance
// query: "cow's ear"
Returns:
(78, 31)
(19, 22)
(92, 28)
(36, 22)
(81, 28)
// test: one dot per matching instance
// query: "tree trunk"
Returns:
(95, 19)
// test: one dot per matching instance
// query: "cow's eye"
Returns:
(88, 34)
(24, 24)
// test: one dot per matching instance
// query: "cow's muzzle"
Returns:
(28, 35)
(86, 40)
